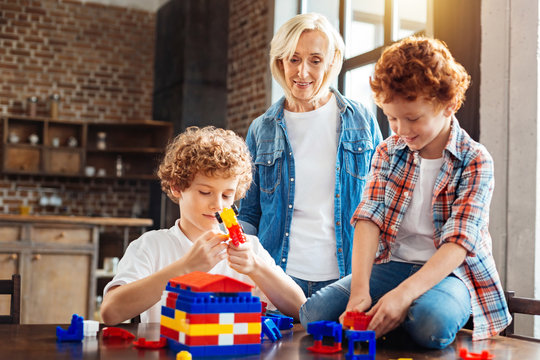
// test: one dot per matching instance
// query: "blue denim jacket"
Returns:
(268, 206)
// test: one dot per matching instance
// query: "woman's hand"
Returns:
(242, 258)
(206, 252)
(389, 312)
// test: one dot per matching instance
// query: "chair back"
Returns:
(520, 305)
(12, 287)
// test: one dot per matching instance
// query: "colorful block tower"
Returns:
(211, 315)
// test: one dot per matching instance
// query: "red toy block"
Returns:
(116, 333)
(356, 320)
(199, 281)
(466, 355)
(143, 344)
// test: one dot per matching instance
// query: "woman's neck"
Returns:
(305, 106)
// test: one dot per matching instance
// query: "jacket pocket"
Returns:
(269, 169)
(357, 157)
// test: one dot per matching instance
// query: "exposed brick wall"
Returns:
(99, 59)
(248, 84)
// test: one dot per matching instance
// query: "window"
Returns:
(367, 26)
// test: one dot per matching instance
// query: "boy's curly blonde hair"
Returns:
(419, 67)
(210, 151)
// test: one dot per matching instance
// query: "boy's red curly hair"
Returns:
(419, 67)
(210, 151)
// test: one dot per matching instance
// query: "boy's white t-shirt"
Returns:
(312, 242)
(156, 249)
(414, 240)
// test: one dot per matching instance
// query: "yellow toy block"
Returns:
(183, 355)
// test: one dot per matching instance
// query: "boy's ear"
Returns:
(175, 192)
(450, 109)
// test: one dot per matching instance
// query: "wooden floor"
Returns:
(39, 342)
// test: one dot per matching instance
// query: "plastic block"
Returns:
(354, 336)
(75, 332)
(184, 355)
(226, 318)
(282, 322)
(226, 339)
(166, 311)
(226, 350)
(169, 333)
(117, 333)
(199, 281)
(270, 329)
(466, 355)
(91, 327)
(143, 344)
(356, 320)
(319, 329)
(240, 328)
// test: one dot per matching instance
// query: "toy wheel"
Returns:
(235, 209)
(218, 217)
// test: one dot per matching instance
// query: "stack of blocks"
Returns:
(211, 315)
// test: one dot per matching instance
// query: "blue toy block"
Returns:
(215, 350)
(270, 329)
(282, 322)
(318, 329)
(167, 311)
(218, 304)
(354, 336)
(75, 332)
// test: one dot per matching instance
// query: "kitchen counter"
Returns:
(88, 220)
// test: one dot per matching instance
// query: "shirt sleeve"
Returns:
(470, 209)
(372, 205)
(136, 264)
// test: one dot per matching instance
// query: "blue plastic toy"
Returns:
(366, 336)
(75, 332)
(318, 329)
(270, 329)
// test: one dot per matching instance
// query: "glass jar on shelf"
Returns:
(54, 104)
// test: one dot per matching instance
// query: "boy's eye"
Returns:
(414, 119)
(225, 196)
(204, 192)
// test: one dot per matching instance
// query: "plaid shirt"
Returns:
(461, 198)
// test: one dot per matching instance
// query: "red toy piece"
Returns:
(116, 333)
(228, 218)
(143, 344)
(356, 320)
(466, 355)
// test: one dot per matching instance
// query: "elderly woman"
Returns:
(312, 151)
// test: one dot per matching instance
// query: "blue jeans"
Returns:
(433, 319)
(311, 287)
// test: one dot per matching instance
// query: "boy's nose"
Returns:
(217, 204)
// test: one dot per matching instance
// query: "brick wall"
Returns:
(248, 84)
(99, 59)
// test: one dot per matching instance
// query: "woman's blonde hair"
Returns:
(284, 44)
(210, 151)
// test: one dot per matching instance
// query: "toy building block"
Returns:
(282, 322)
(356, 320)
(183, 355)
(263, 309)
(210, 315)
(355, 336)
(75, 332)
(466, 355)
(270, 329)
(116, 333)
(143, 344)
(91, 327)
(318, 330)
(235, 231)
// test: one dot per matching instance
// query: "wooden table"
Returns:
(39, 342)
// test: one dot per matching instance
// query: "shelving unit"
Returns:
(66, 147)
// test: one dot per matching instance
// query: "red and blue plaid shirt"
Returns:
(461, 198)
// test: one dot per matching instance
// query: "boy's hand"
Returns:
(242, 258)
(359, 303)
(206, 252)
(389, 312)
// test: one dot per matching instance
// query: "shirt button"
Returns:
(290, 206)
(337, 168)
(406, 193)
(269, 162)
(283, 260)
(292, 179)
(338, 223)
(359, 149)
(290, 153)
(339, 250)
(337, 195)
(286, 234)
(415, 161)
(393, 227)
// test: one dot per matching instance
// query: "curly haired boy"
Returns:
(204, 170)
(422, 251)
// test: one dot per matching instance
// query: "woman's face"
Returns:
(304, 71)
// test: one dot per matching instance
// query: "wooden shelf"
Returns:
(66, 148)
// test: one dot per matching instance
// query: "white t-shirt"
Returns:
(312, 242)
(158, 248)
(414, 240)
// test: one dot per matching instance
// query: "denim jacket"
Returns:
(267, 209)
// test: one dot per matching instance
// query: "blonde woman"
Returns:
(312, 151)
